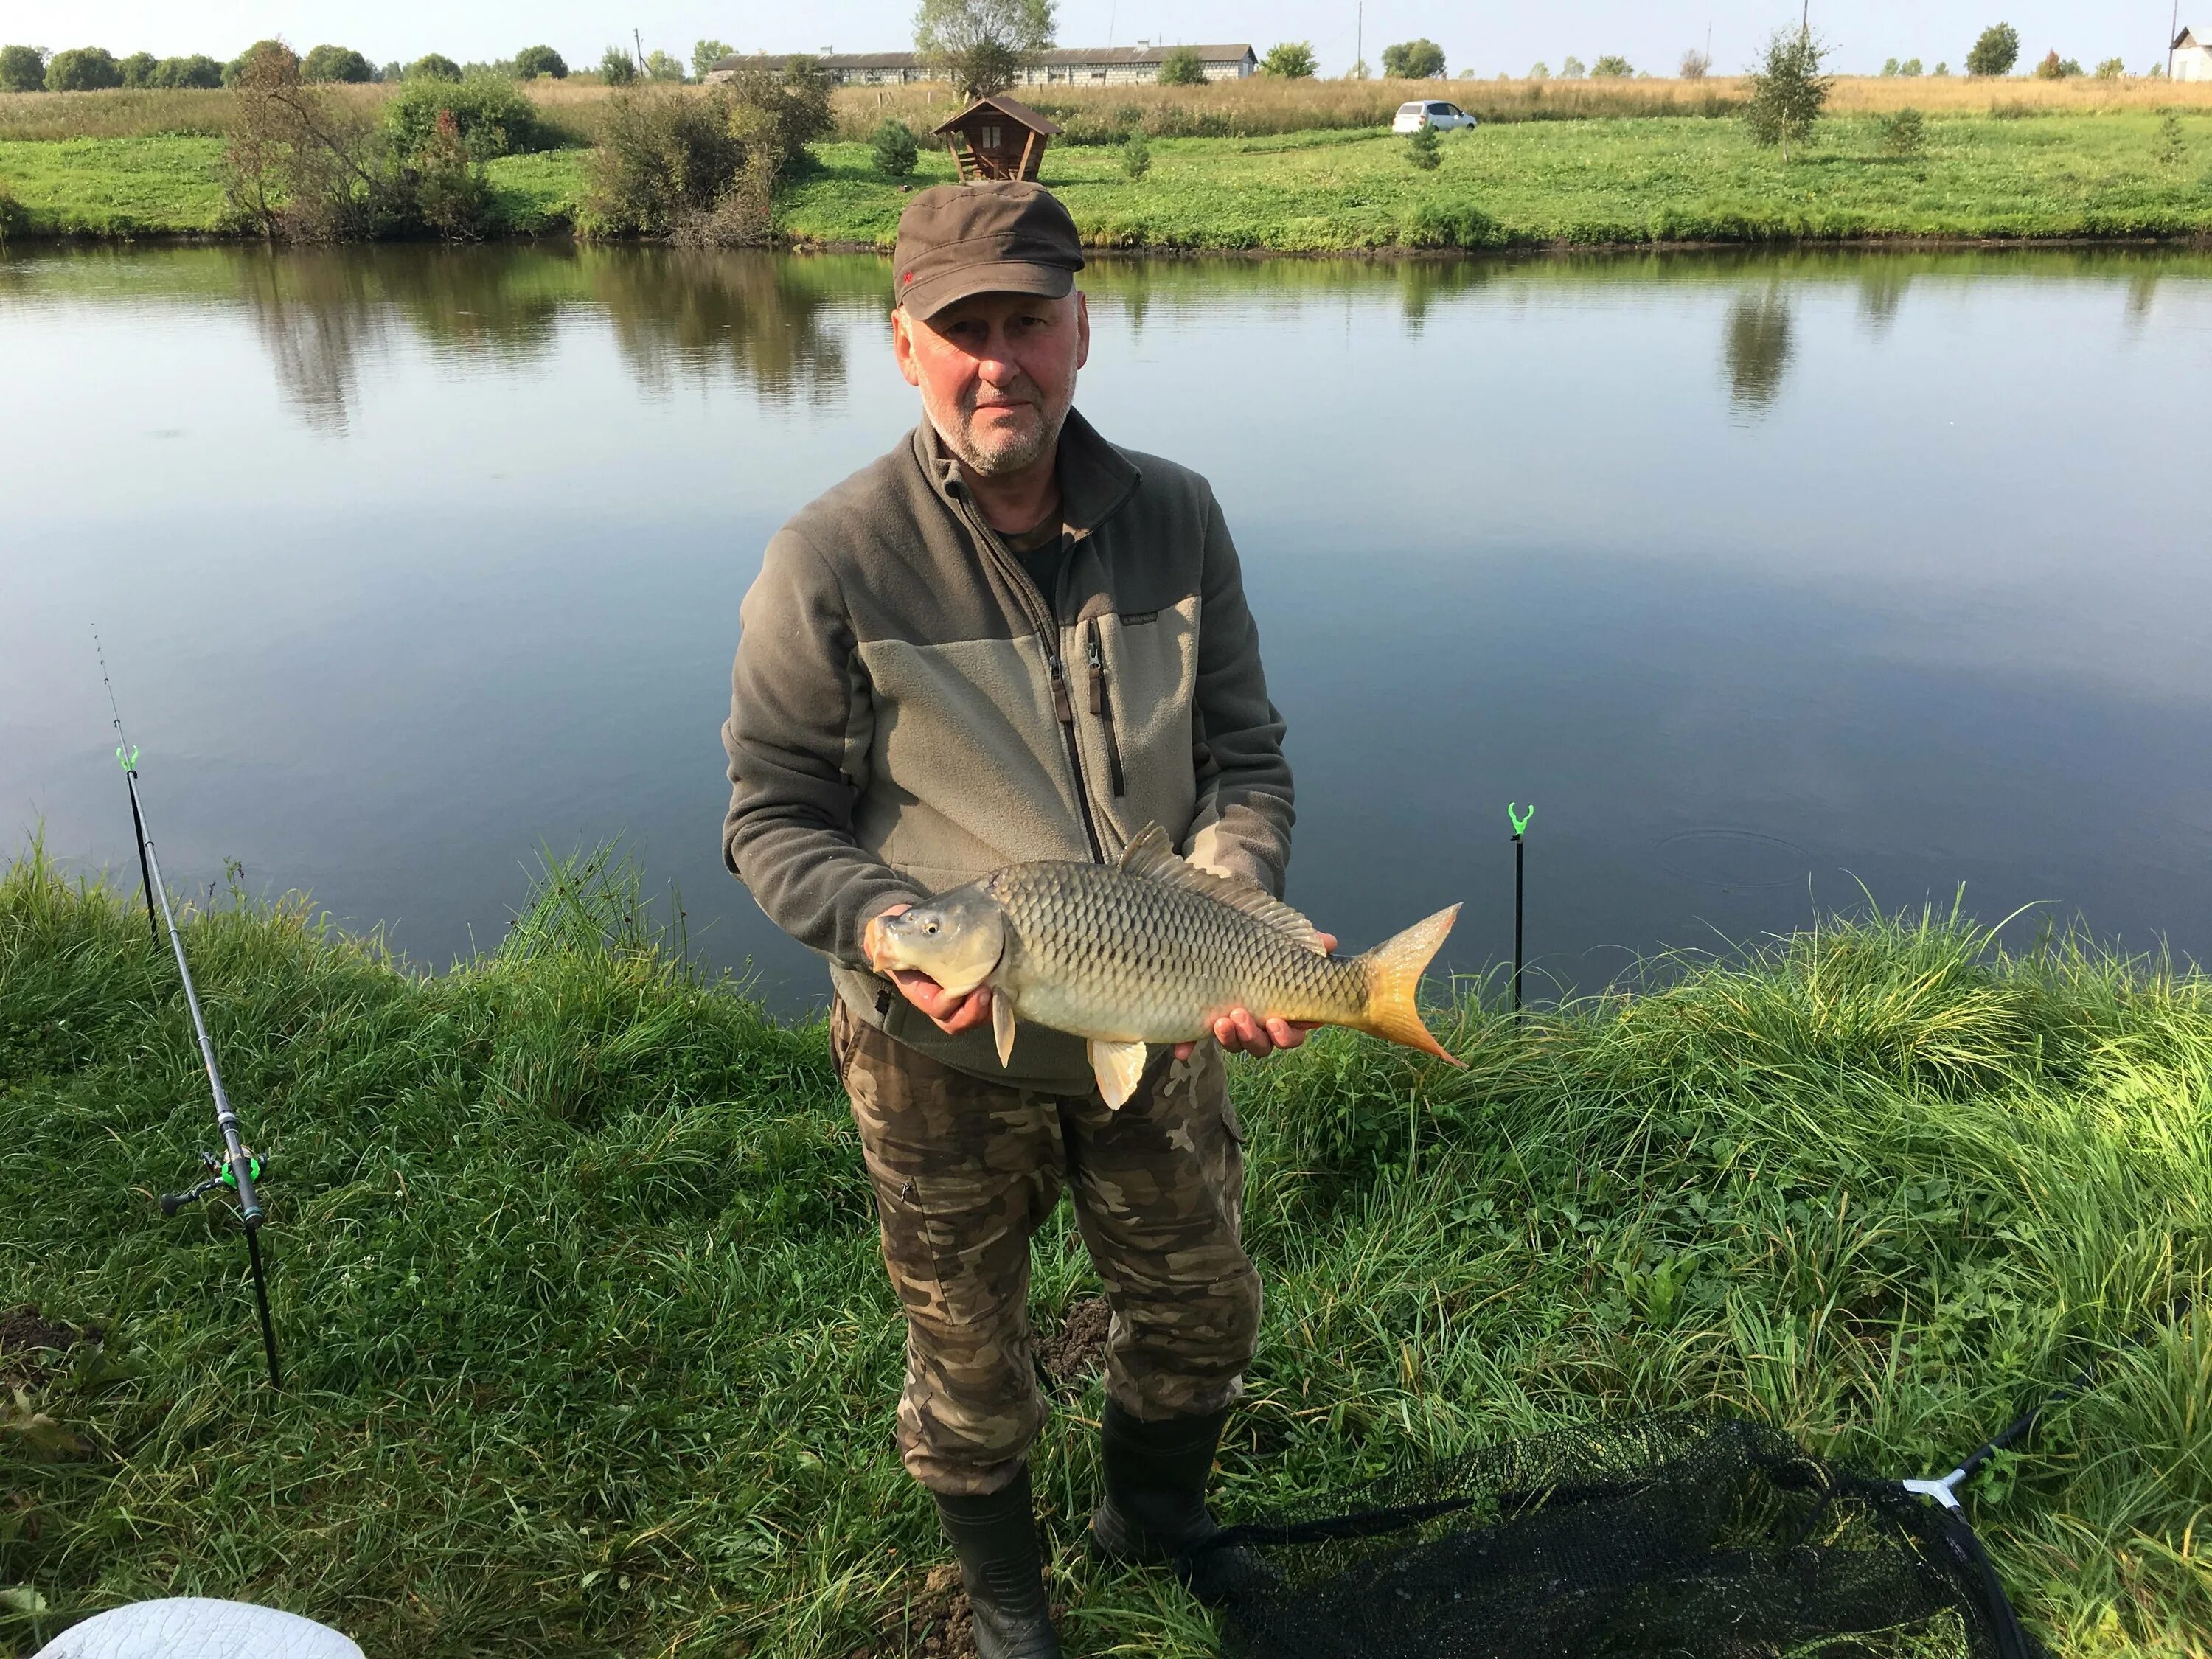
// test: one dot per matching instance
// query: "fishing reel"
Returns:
(219, 1176)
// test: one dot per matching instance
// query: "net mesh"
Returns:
(1663, 1538)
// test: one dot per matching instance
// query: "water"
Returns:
(1774, 582)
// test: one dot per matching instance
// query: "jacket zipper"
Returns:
(1063, 706)
(1102, 709)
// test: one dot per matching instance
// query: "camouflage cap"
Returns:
(997, 236)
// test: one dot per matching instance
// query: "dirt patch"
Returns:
(34, 1348)
(935, 1622)
(1074, 1351)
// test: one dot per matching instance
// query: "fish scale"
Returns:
(1093, 948)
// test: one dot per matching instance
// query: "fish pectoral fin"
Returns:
(1002, 1026)
(1118, 1066)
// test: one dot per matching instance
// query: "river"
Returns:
(1779, 583)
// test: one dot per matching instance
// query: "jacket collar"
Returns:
(1095, 478)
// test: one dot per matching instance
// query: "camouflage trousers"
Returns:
(965, 1171)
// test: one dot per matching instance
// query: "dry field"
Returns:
(1245, 108)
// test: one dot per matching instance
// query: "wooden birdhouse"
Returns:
(998, 138)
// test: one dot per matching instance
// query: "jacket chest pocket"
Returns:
(1135, 676)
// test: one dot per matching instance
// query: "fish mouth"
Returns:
(881, 944)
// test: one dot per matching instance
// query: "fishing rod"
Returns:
(1519, 820)
(238, 1168)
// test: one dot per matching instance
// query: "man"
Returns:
(1009, 640)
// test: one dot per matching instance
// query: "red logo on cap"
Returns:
(908, 277)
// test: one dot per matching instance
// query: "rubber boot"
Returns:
(995, 1537)
(1154, 1509)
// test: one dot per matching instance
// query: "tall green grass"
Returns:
(590, 1351)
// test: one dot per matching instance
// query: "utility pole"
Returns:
(637, 39)
(1359, 41)
(2173, 31)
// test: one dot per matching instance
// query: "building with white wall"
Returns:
(1062, 66)
(2193, 57)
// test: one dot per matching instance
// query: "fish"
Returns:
(1151, 949)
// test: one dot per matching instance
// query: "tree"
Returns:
(897, 150)
(1540, 70)
(198, 73)
(1421, 59)
(138, 69)
(1911, 66)
(87, 69)
(1787, 89)
(705, 54)
(1696, 64)
(1289, 60)
(236, 67)
(660, 66)
(1136, 156)
(1570, 68)
(1610, 67)
(981, 44)
(533, 61)
(1996, 52)
(22, 69)
(616, 67)
(1181, 68)
(335, 64)
(1940, 68)
(1903, 133)
(1888, 66)
(392, 74)
(2111, 69)
(1424, 147)
(434, 66)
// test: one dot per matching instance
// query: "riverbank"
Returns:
(589, 1350)
(2115, 175)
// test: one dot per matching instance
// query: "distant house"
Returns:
(2193, 57)
(1062, 66)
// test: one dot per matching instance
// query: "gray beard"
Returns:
(998, 464)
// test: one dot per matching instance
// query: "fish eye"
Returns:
(929, 927)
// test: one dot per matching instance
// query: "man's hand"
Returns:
(1240, 1033)
(950, 1014)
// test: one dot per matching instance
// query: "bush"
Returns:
(702, 169)
(1996, 52)
(489, 112)
(1903, 133)
(1414, 60)
(87, 69)
(616, 67)
(22, 69)
(1909, 67)
(1570, 68)
(12, 214)
(341, 64)
(1540, 70)
(1136, 157)
(1610, 67)
(1696, 66)
(896, 149)
(1424, 147)
(138, 69)
(2173, 149)
(1289, 60)
(1181, 68)
(433, 66)
(2111, 69)
(533, 61)
(198, 73)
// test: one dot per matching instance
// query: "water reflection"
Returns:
(1882, 291)
(1758, 347)
(696, 315)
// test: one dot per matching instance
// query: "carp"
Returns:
(1151, 949)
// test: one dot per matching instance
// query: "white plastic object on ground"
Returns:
(198, 1627)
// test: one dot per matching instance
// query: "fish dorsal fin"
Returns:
(1153, 857)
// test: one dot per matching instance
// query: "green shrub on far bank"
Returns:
(616, 67)
(12, 214)
(198, 73)
(138, 70)
(895, 149)
(491, 114)
(1424, 148)
(1181, 68)
(1903, 133)
(1136, 157)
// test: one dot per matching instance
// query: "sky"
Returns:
(1484, 37)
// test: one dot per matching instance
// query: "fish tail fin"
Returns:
(1393, 977)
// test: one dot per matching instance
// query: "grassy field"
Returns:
(1239, 109)
(1532, 184)
(590, 1352)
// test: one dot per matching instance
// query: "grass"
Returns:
(590, 1352)
(1533, 183)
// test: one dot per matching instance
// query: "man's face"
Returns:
(997, 373)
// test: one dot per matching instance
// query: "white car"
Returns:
(1412, 117)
